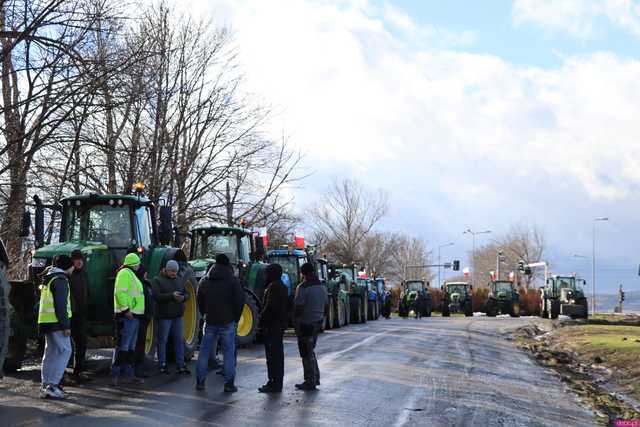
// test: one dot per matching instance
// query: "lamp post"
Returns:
(593, 263)
(439, 261)
(473, 253)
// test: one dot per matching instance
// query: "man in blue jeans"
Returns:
(220, 300)
(170, 295)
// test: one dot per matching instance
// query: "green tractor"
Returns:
(105, 228)
(240, 245)
(411, 290)
(562, 295)
(357, 290)
(338, 289)
(503, 298)
(457, 298)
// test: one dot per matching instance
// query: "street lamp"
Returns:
(439, 262)
(473, 254)
(593, 263)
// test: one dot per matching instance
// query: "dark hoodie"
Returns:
(60, 290)
(220, 296)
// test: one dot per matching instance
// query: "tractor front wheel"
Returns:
(544, 312)
(468, 309)
(248, 324)
(515, 310)
(555, 309)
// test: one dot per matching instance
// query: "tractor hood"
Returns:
(66, 248)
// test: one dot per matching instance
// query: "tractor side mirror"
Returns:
(166, 227)
(39, 226)
(25, 226)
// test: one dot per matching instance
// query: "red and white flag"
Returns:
(466, 272)
(493, 275)
(512, 276)
(262, 233)
(299, 239)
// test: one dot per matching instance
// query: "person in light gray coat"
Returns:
(309, 305)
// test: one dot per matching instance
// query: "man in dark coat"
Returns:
(274, 319)
(79, 283)
(149, 305)
(220, 300)
(309, 304)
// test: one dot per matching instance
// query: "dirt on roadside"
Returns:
(599, 362)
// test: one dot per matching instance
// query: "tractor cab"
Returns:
(457, 298)
(290, 260)
(414, 286)
(563, 295)
(208, 242)
(503, 298)
(502, 289)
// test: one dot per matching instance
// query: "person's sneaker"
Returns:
(306, 387)
(230, 388)
(184, 371)
(44, 391)
(164, 370)
(200, 384)
(55, 392)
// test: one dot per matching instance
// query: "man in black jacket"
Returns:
(274, 319)
(220, 300)
(149, 306)
(170, 295)
(79, 282)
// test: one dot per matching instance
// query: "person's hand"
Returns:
(128, 315)
(67, 332)
(178, 296)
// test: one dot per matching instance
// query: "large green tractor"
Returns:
(239, 244)
(562, 295)
(358, 291)
(411, 290)
(105, 228)
(457, 298)
(338, 289)
(503, 298)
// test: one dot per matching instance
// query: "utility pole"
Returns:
(440, 262)
(499, 259)
(473, 253)
(593, 263)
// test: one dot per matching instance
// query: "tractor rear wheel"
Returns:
(544, 312)
(364, 306)
(515, 310)
(191, 319)
(16, 351)
(586, 308)
(5, 325)
(446, 312)
(347, 312)
(555, 309)
(491, 308)
(370, 310)
(248, 324)
(356, 310)
(341, 314)
(468, 309)
(331, 314)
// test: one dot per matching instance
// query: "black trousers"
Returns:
(79, 339)
(138, 356)
(274, 352)
(307, 339)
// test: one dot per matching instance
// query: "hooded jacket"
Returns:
(275, 312)
(60, 290)
(220, 296)
(166, 305)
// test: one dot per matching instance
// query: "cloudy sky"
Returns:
(475, 114)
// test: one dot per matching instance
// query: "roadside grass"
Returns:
(616, 347)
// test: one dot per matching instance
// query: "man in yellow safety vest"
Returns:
(128, 305)
(54, 322)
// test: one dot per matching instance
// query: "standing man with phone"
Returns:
(54, 321)
(170, 295)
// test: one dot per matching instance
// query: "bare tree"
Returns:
(346, 215)
(408, 256)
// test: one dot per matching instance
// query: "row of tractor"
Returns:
(105, 228)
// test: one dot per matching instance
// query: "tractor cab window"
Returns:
(456, 289)
(502, 287)
(245, 249)
(143, 223)
(289, 266)
(347, 272)
(566, 284)
(214, 244)
(106, 224)
(415, 286)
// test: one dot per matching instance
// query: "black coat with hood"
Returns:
(220, 296)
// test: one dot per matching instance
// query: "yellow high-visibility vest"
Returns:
(128, 293)
(47, 312)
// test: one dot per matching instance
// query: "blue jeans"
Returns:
(228, 335)
(57, 351)
(127, 337)
(176, 328)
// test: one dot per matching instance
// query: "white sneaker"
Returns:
(51, 391)
(43, 391)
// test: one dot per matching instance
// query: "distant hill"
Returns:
(607, 302)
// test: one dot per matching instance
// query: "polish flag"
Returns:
(512, 276)
(299, 239)
(262, 233)
(493, 275)
(466, 272)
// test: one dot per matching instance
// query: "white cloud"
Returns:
(446, 132)
(579, 18)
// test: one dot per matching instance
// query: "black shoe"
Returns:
(317, 383)
(164, 370)
(184, 371)
(200, 384)
(141, 373)
(306, 387)
(270, 388)
(230, 388)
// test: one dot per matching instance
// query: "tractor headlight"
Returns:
(39, 262)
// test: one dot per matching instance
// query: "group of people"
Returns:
(220, 299)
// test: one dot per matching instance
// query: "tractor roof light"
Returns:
(138, 187)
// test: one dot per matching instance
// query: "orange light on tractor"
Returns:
(140, 249)
(139, 186)
(243, 222)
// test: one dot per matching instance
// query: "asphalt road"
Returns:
(429, 372)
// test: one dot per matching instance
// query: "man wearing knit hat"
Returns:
(79, 283)
(128, 302)
(170, 295)
(54, 321)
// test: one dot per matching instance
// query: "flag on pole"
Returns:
(299, 239)
(466, 272)
(493, 275)
(262, 233)
(512, 276)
